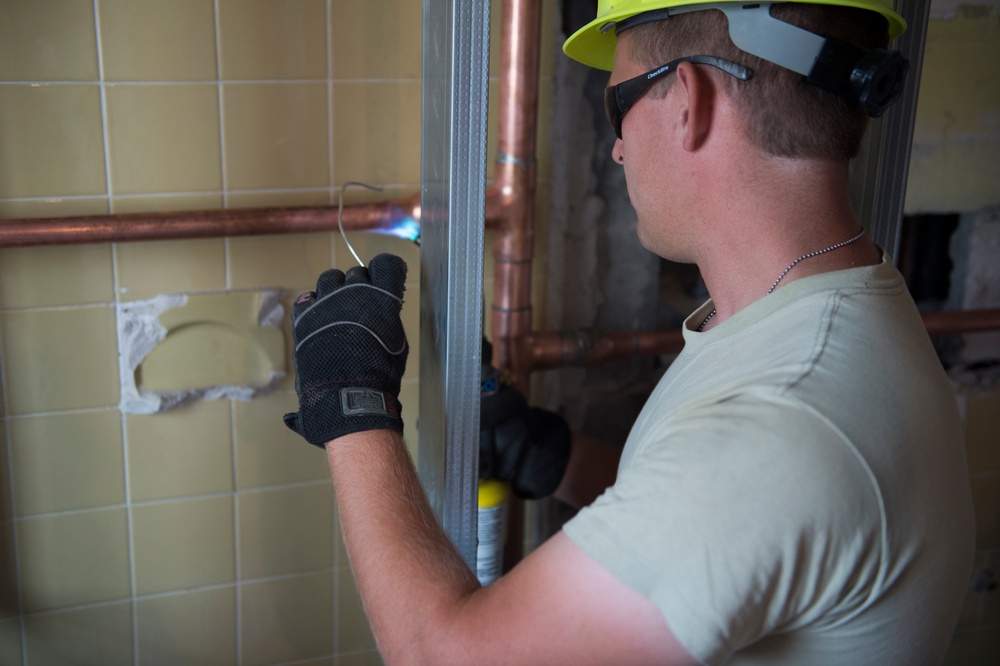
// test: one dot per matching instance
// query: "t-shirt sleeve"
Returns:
(739, 520)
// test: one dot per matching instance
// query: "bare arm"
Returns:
(557, 607)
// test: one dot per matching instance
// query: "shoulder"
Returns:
(740, 518)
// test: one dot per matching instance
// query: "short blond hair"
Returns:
(784, 115)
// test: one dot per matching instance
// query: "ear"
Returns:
(697, 97)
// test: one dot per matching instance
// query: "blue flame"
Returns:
(407, 228)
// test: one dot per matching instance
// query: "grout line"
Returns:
(173, 500)
(19, 590)
(329, 104)
(224, 175)
(90, 410)
(237, 569)
(335, 552)
(104, 107)
(58, 308)
(129, 523)
(181, 591)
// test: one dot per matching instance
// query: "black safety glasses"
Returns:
(618, 99)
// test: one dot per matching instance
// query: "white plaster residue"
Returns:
(141, 331)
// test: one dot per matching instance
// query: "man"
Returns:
(795, 490)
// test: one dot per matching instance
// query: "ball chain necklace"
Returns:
(808, 255)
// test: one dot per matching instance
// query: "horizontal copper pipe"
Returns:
(962, 321)
(203, 223)
(547, 350)
(23, 232)
(585, 347)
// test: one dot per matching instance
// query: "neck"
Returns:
(787, 209)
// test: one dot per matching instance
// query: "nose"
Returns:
(618, 152)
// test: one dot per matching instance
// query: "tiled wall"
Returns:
(206, 534)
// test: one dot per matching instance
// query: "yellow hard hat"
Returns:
(594, 43)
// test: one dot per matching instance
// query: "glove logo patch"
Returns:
(364, 402)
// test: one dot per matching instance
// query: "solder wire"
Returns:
(340, 214)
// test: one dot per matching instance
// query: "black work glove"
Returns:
(350, 352)
(527, 447)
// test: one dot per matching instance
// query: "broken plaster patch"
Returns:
(179, 348)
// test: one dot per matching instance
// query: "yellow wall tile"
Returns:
(101, 635)
(276, 135)
(376, 132)
(373, 40)
(168, 203)
(53, 207)
(287, 530)
(353, 631)
(73, 559)
(47, 40)
(183, 544)
(279, 199)
(261, 39)
(291, 261)
(51, 141)
(9, 606)
(60, 359)
(158, 41)
(146, 269)
(288, 619)
(10, 642)
(190, 628)
(56, 275)
(267, 452)
(67, 461)
(179, 453)
(164, 138)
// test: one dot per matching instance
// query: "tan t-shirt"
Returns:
(795, 490)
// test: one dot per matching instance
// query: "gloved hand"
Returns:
(525, 446)
(350, 352)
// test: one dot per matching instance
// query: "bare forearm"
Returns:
(410, 576)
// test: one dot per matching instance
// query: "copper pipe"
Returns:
(24, 232)
(587, 347)
(514, 181)
(203, 223)
(962, 321)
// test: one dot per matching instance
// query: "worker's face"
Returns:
(644, 153)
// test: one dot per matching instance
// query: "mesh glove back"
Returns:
(350, 352)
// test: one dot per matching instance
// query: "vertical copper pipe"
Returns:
(514, 181)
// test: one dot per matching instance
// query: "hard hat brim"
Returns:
(594, 48)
